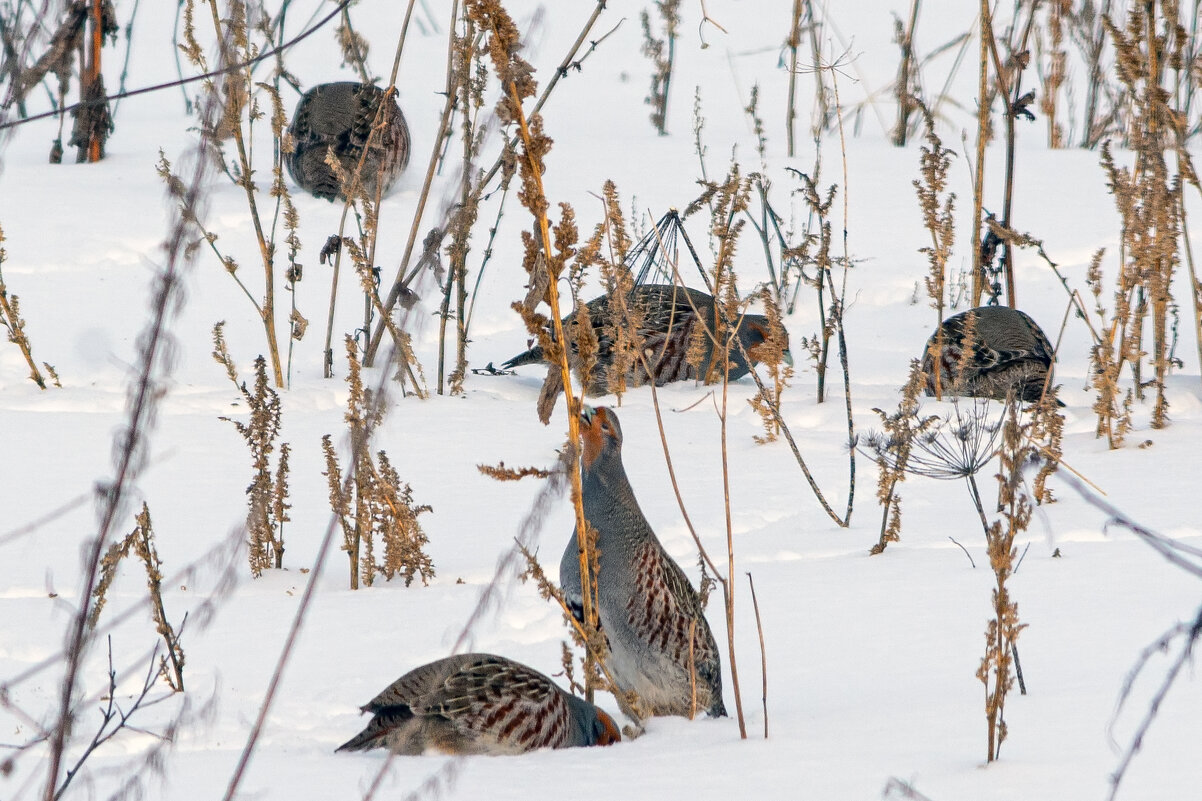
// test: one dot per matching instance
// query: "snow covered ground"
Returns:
(871, 659)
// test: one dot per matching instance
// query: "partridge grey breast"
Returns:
(340, 116)
(649, 612)
(672, 317)
(479, 704)
(1009, 352)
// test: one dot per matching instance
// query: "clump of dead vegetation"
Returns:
(14, 327)
(373, 504)
(141, 542)
(268, 490)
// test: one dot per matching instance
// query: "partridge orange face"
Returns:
(600, 425)
(610, 734)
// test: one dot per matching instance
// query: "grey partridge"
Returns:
(660, 645)
(479, 704)
(672, 317)
(1009, 353)
(340, 116)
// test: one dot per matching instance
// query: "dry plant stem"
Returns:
(597, 658)
(267, 310)
(143, 403)
(351, 193)
(302, 610)
(1192, 632)
(10, 319)
(109, 713)
(978, 183)
(571, 402)
(905, 104)
(274, 52)
(728, 595)
(95, 149)
(1195, 285)
(759, 627)
(842, 522)
(791, 108)
(402, 279)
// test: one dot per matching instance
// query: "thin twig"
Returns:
(759, 627)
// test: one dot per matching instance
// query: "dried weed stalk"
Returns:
(938, 218)
(241, 109)
(1052, 76)
(906, 87)
(268, 489)
(1147, 195)
(1111, 404)
(891, 451)
(780, 370)
(374, 503)
(469, 78)
(548, 248)
(141, 542)
(14, 327)
(996, 669)
(662, 53)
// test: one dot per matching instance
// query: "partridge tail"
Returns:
(532, 356)
(378, 728)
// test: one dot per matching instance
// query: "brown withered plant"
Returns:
(891, 451)
(14, 327)
(996, 670)
(376, 504)
(141, 542)
(1147, 195)
(662, 53)
(937, 217)
(242, 108)
(268, 490)
(548, 247)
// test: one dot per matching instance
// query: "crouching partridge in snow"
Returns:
(340, 116)
(479, 704)
(1009, 352)
(650, 614)
(672, 317)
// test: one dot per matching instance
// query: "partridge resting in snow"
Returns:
(479, 704)
(668, 328)
(1009, 354)
(340, 116)
(650, 614)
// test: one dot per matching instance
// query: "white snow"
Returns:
(871, 659)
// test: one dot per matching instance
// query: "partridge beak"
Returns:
(788, 357)
(586, 414)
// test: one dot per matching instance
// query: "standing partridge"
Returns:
(479, 704)
(1010, 353)
(340, 116)
(668, 328)
(649, 612)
